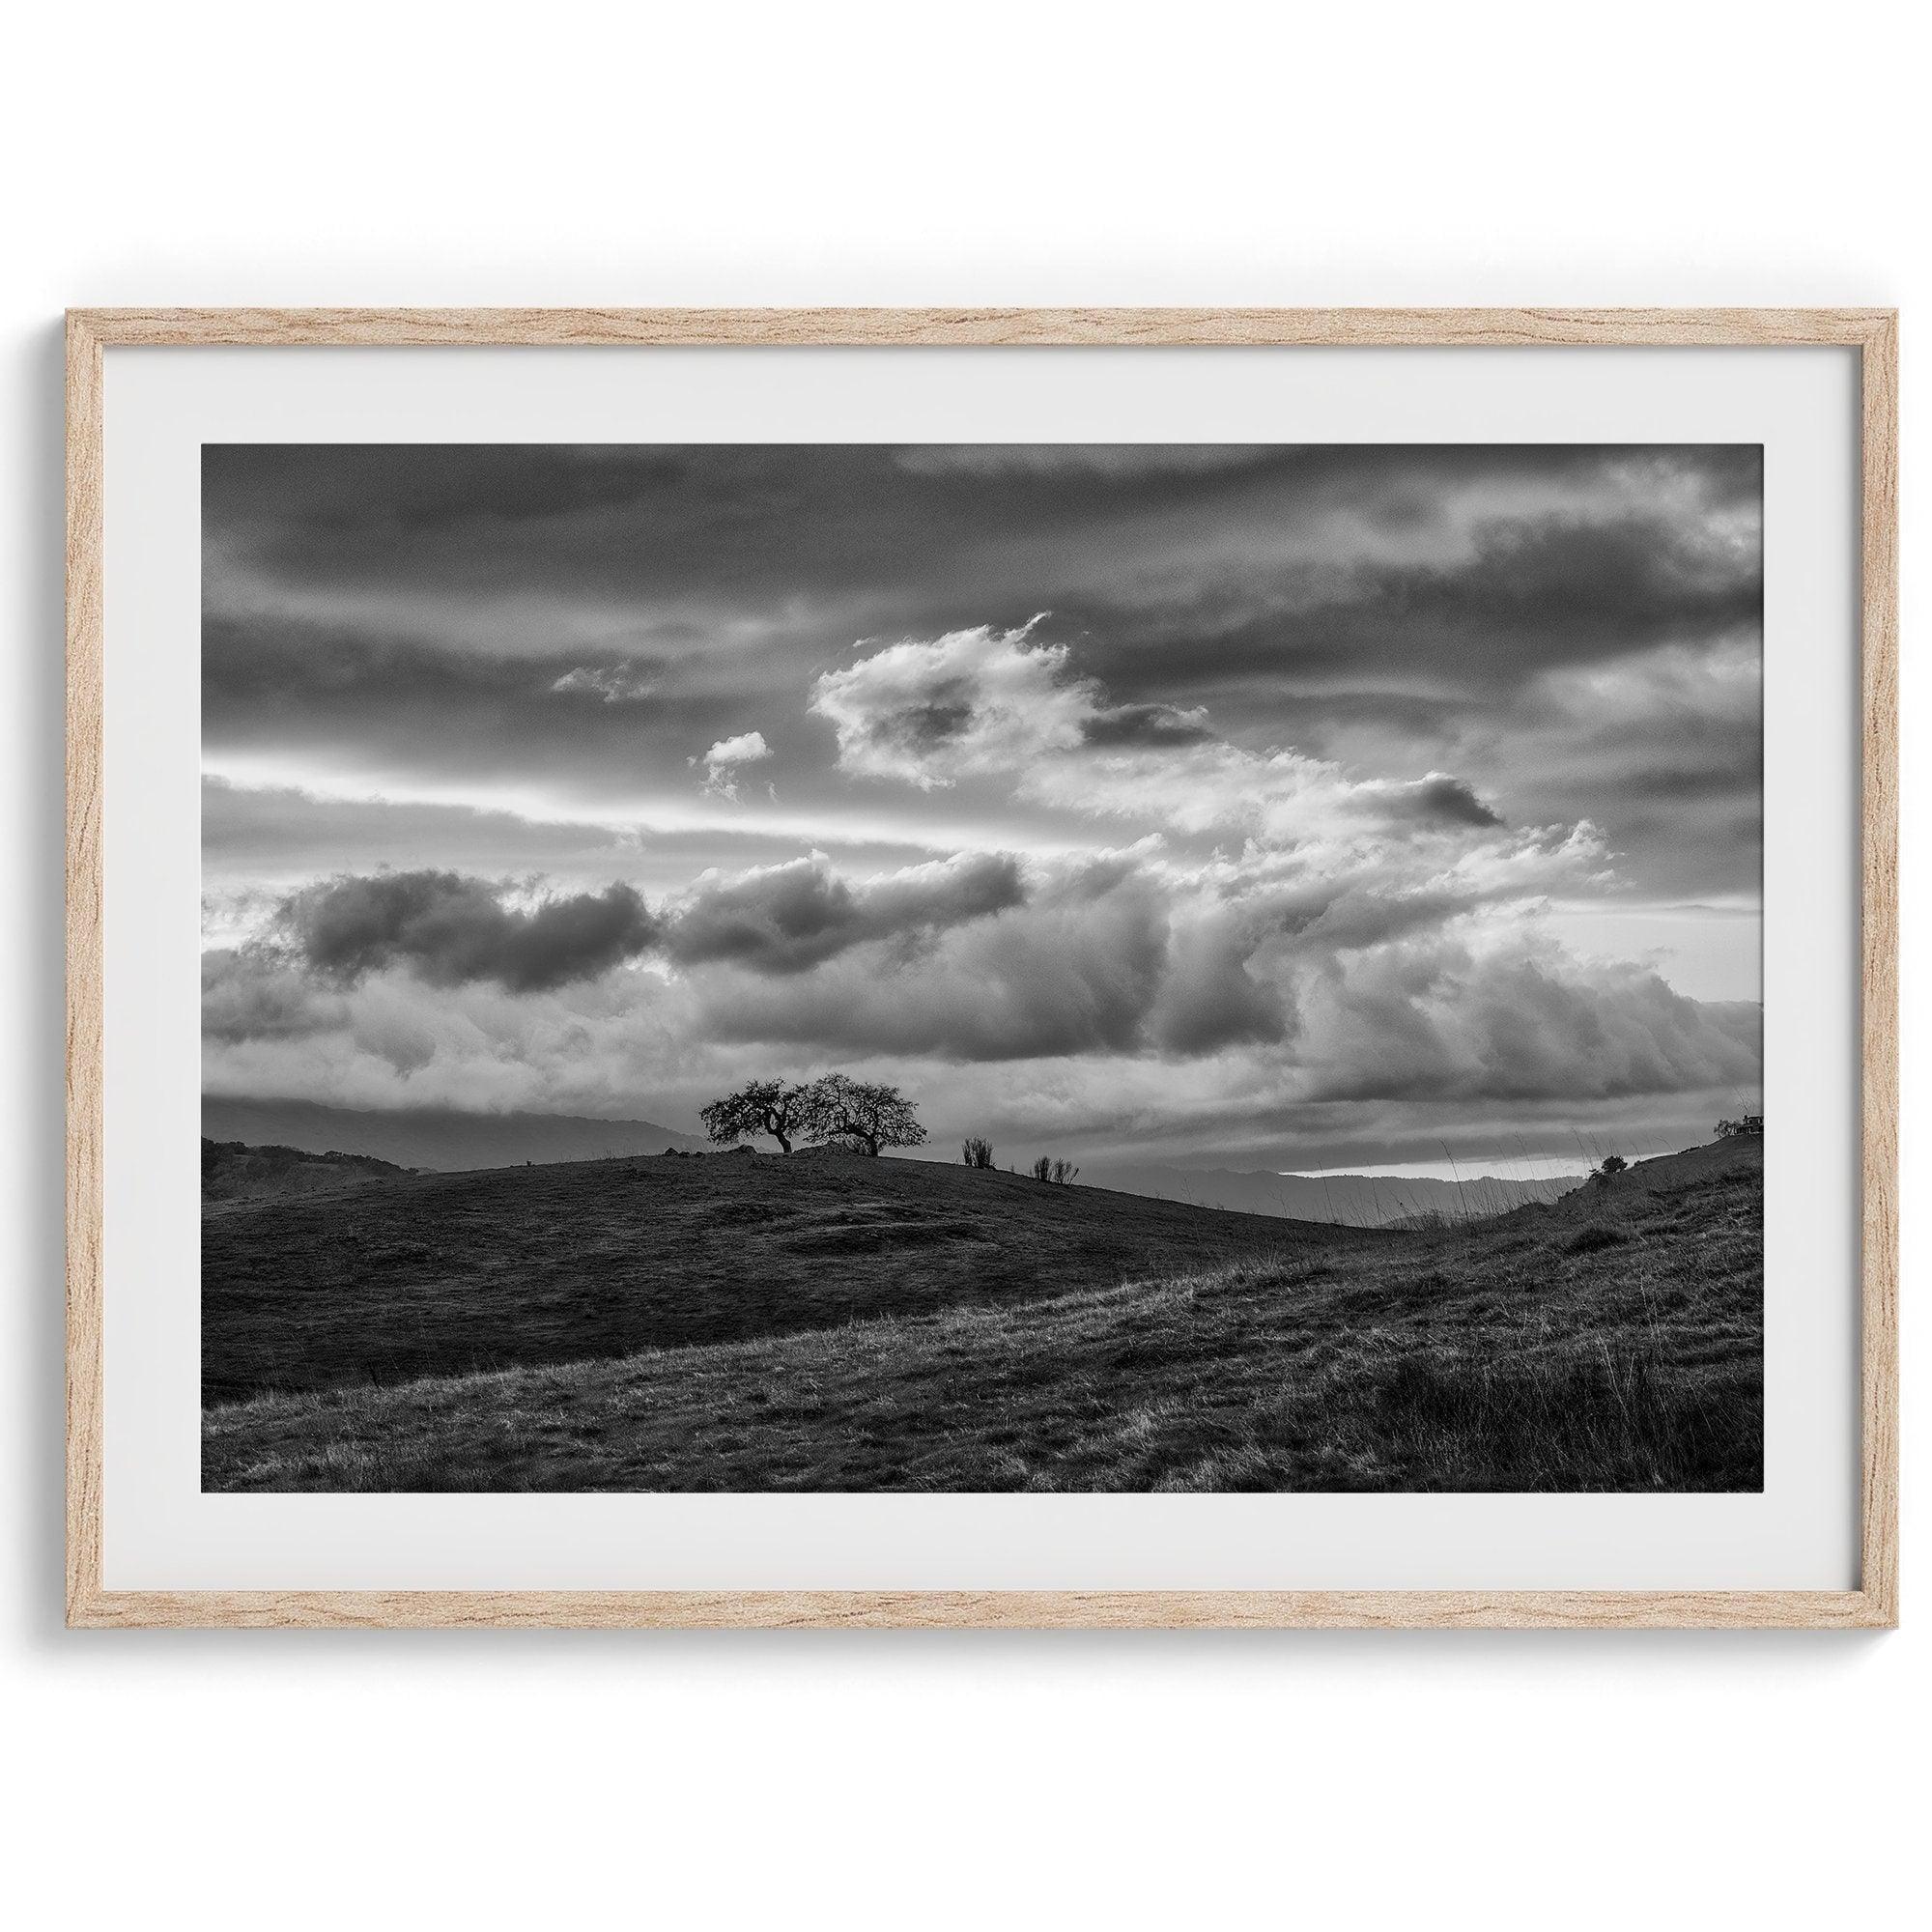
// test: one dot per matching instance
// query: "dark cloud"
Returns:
(1210, 1001)
(1570, 588)
(314, 491)
(300, 666)
(850, 540)
(449, 929)
(1344, 705)
(791, 918)
(1092, 962)
(1538, 593)
(1071, 976)
(920, 727)
(1146, 725)
(669, 517)
(1436, 1020)
(587, 619)
(376, 700)
(1436, 799)
(248, 993)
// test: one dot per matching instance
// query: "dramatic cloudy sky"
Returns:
(1252, 804)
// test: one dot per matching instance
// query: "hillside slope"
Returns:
(233, 1172)
(1543, 1350)
(1631, 1195)
(1360, 1200)
(438, 1138)
(439, 1274)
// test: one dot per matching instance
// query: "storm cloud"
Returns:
(785, 919)
(567, 628)
(1437, 798)
(448, 929)
(1226, 798)
(1077, 970)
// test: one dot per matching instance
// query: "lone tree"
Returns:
(1612, 1163)
(775, 1107)
(975, 1152)
(870, 1116)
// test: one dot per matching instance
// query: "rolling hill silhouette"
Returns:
(446, 1274)
(440, 1138)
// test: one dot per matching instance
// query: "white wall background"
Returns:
(402, 153)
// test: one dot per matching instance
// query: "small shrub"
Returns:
(1612, 1163)
(975, 1152)
(1055, 1171)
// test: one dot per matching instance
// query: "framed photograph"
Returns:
(1010, 968)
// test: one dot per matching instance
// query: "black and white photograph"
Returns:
(1129, 967)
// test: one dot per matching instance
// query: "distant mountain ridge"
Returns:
(1359, 1200)
(438, 1138)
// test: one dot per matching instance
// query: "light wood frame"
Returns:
(1872, 332)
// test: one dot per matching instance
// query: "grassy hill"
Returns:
(233, 1172)
(1629, 1196)
(446, 1273)
(1017, 1342)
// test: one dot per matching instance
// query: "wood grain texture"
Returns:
(1879, 969)
(1179, 327)
(1873, 333)
(84, 983)
(989, 1609)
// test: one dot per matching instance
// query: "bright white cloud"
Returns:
(1350, 939)
(992, 702)
(722, 762)
(978, 700)
(746, 748)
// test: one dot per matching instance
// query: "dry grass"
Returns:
(450, 1275)
(1507, 1355)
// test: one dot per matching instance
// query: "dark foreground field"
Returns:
(441, 1274)
(732, 1324)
